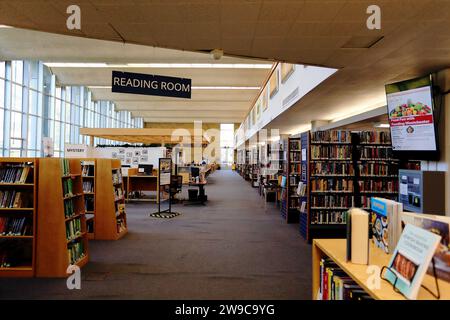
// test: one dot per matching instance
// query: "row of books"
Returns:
(88, 170)
(376, 137)
(294, 145)
(328, 217)
(90, 226)
(117, 177)
(15, 199)
(121, 224)
(332, 184)
(88, 186)
(335, 284)
(67, 187)
(295, 156)
(65, 167)
(331, 136)
(15, 174)
(332, 168)
(330, 152)
(377, 169)
(118, 192)
(378, 186)
(377, 153)
(75, 252)
(332, 201)
(69, 209)
(73, 228)
(294, 180)
(11, 226)
(295, 168)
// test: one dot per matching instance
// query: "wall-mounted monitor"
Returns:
(412, 120)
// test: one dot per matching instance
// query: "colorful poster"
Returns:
(410, 111)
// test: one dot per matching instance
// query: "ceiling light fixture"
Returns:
(159, 65)
(382, 125)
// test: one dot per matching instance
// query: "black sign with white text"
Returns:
(152, 85)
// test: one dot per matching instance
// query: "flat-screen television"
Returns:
(411, 115)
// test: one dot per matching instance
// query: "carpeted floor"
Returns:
(232, 248)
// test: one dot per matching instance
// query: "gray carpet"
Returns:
(232, 248)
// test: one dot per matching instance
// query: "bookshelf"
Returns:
(61, 234)
(335, 249)
(110, 221)
(291, 200)
(88, 170)
(18, 192)
(345, 169)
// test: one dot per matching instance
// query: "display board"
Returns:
(133, 156)
(164, 178)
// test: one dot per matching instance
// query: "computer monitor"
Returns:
(145, 169)
(195, 172)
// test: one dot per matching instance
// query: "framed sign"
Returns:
(274, 83)
(286, 70)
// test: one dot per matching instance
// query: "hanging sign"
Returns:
(152, 85)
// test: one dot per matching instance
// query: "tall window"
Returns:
(33, 107)
(226, 144)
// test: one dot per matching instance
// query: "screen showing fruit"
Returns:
(410, 109)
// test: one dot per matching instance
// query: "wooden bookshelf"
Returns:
(18, 250)
(107, 214)
(60, 210)
(335, 249)
(88, 169)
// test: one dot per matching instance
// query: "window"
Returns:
(227, 143)
(31, 106)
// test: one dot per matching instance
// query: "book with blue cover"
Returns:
(411, 259)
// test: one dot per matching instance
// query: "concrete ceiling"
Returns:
(415, 39)
(218, 105)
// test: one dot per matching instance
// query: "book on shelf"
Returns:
(410, 259)
(88, 186)
(332, 201)
(386, 223)
(69, 209)
(358, 236)
(65, 167)
(342, 152)
(331, 185)
(332, 168)
(14, 174)
(328, 217)
(331, 136)
(73, 228)
(15, 226)
(15, 199)
(301, 189)
(375, 137)
(335, 284)
(75, 251)
(117, 177)
(439, 225)
(67, 187)
(88, 170)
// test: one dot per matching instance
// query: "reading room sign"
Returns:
(152, 85)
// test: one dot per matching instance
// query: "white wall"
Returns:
(301, 81)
